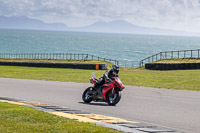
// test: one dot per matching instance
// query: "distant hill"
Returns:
(121, 26)
(28, 23)
(118, 26)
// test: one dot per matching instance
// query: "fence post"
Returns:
(198, 53)
(160, 55)
(156, 57)
(178, 54)
(141, 63)
(184, 53)
(66, 56)
(82, 56)
(191, 53)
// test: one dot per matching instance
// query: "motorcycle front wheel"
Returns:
(113, 99)
(86, 97)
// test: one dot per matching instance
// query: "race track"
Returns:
(179, 110)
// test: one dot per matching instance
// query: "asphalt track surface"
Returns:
(174, 109)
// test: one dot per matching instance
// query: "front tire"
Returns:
(113, 99)
(86, 97)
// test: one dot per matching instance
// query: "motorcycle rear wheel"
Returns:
(113, 100)
(86, 97)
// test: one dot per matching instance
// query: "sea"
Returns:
(123, 47)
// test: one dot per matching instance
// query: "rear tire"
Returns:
(86, 97)
(116, 98)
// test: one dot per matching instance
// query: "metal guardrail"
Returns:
(70, 56)
(128, 63)
(170, 55)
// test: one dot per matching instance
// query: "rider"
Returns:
(108, 75)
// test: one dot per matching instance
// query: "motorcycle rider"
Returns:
(108, 75)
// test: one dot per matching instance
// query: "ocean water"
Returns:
(120, 47)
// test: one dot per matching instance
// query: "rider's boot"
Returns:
(96, 85)
(99, 89)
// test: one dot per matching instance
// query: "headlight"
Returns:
(122, 88)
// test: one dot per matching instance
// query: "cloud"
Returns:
(171, 14)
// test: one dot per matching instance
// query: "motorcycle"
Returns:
(109, 92)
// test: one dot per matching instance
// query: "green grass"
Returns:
(21, 119)
(179, 60)
(58, 61)
(179, 79)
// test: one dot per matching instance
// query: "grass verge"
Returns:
(179, 79)
(180, 60)
(21, 119)
(58, 61)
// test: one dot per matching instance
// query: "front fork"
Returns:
(113, 92)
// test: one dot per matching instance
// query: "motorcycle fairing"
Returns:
(106, 88)
(119, 84)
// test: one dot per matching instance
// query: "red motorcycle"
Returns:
(109, 92)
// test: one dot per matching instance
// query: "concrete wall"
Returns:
(177, 66)
(89, 66)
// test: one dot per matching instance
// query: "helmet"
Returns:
(115, 69)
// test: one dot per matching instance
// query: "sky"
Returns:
(181, 15)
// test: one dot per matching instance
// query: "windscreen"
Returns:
(119, 79)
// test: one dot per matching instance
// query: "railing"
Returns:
(70, 56)
(171, 54)
(128, 63)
